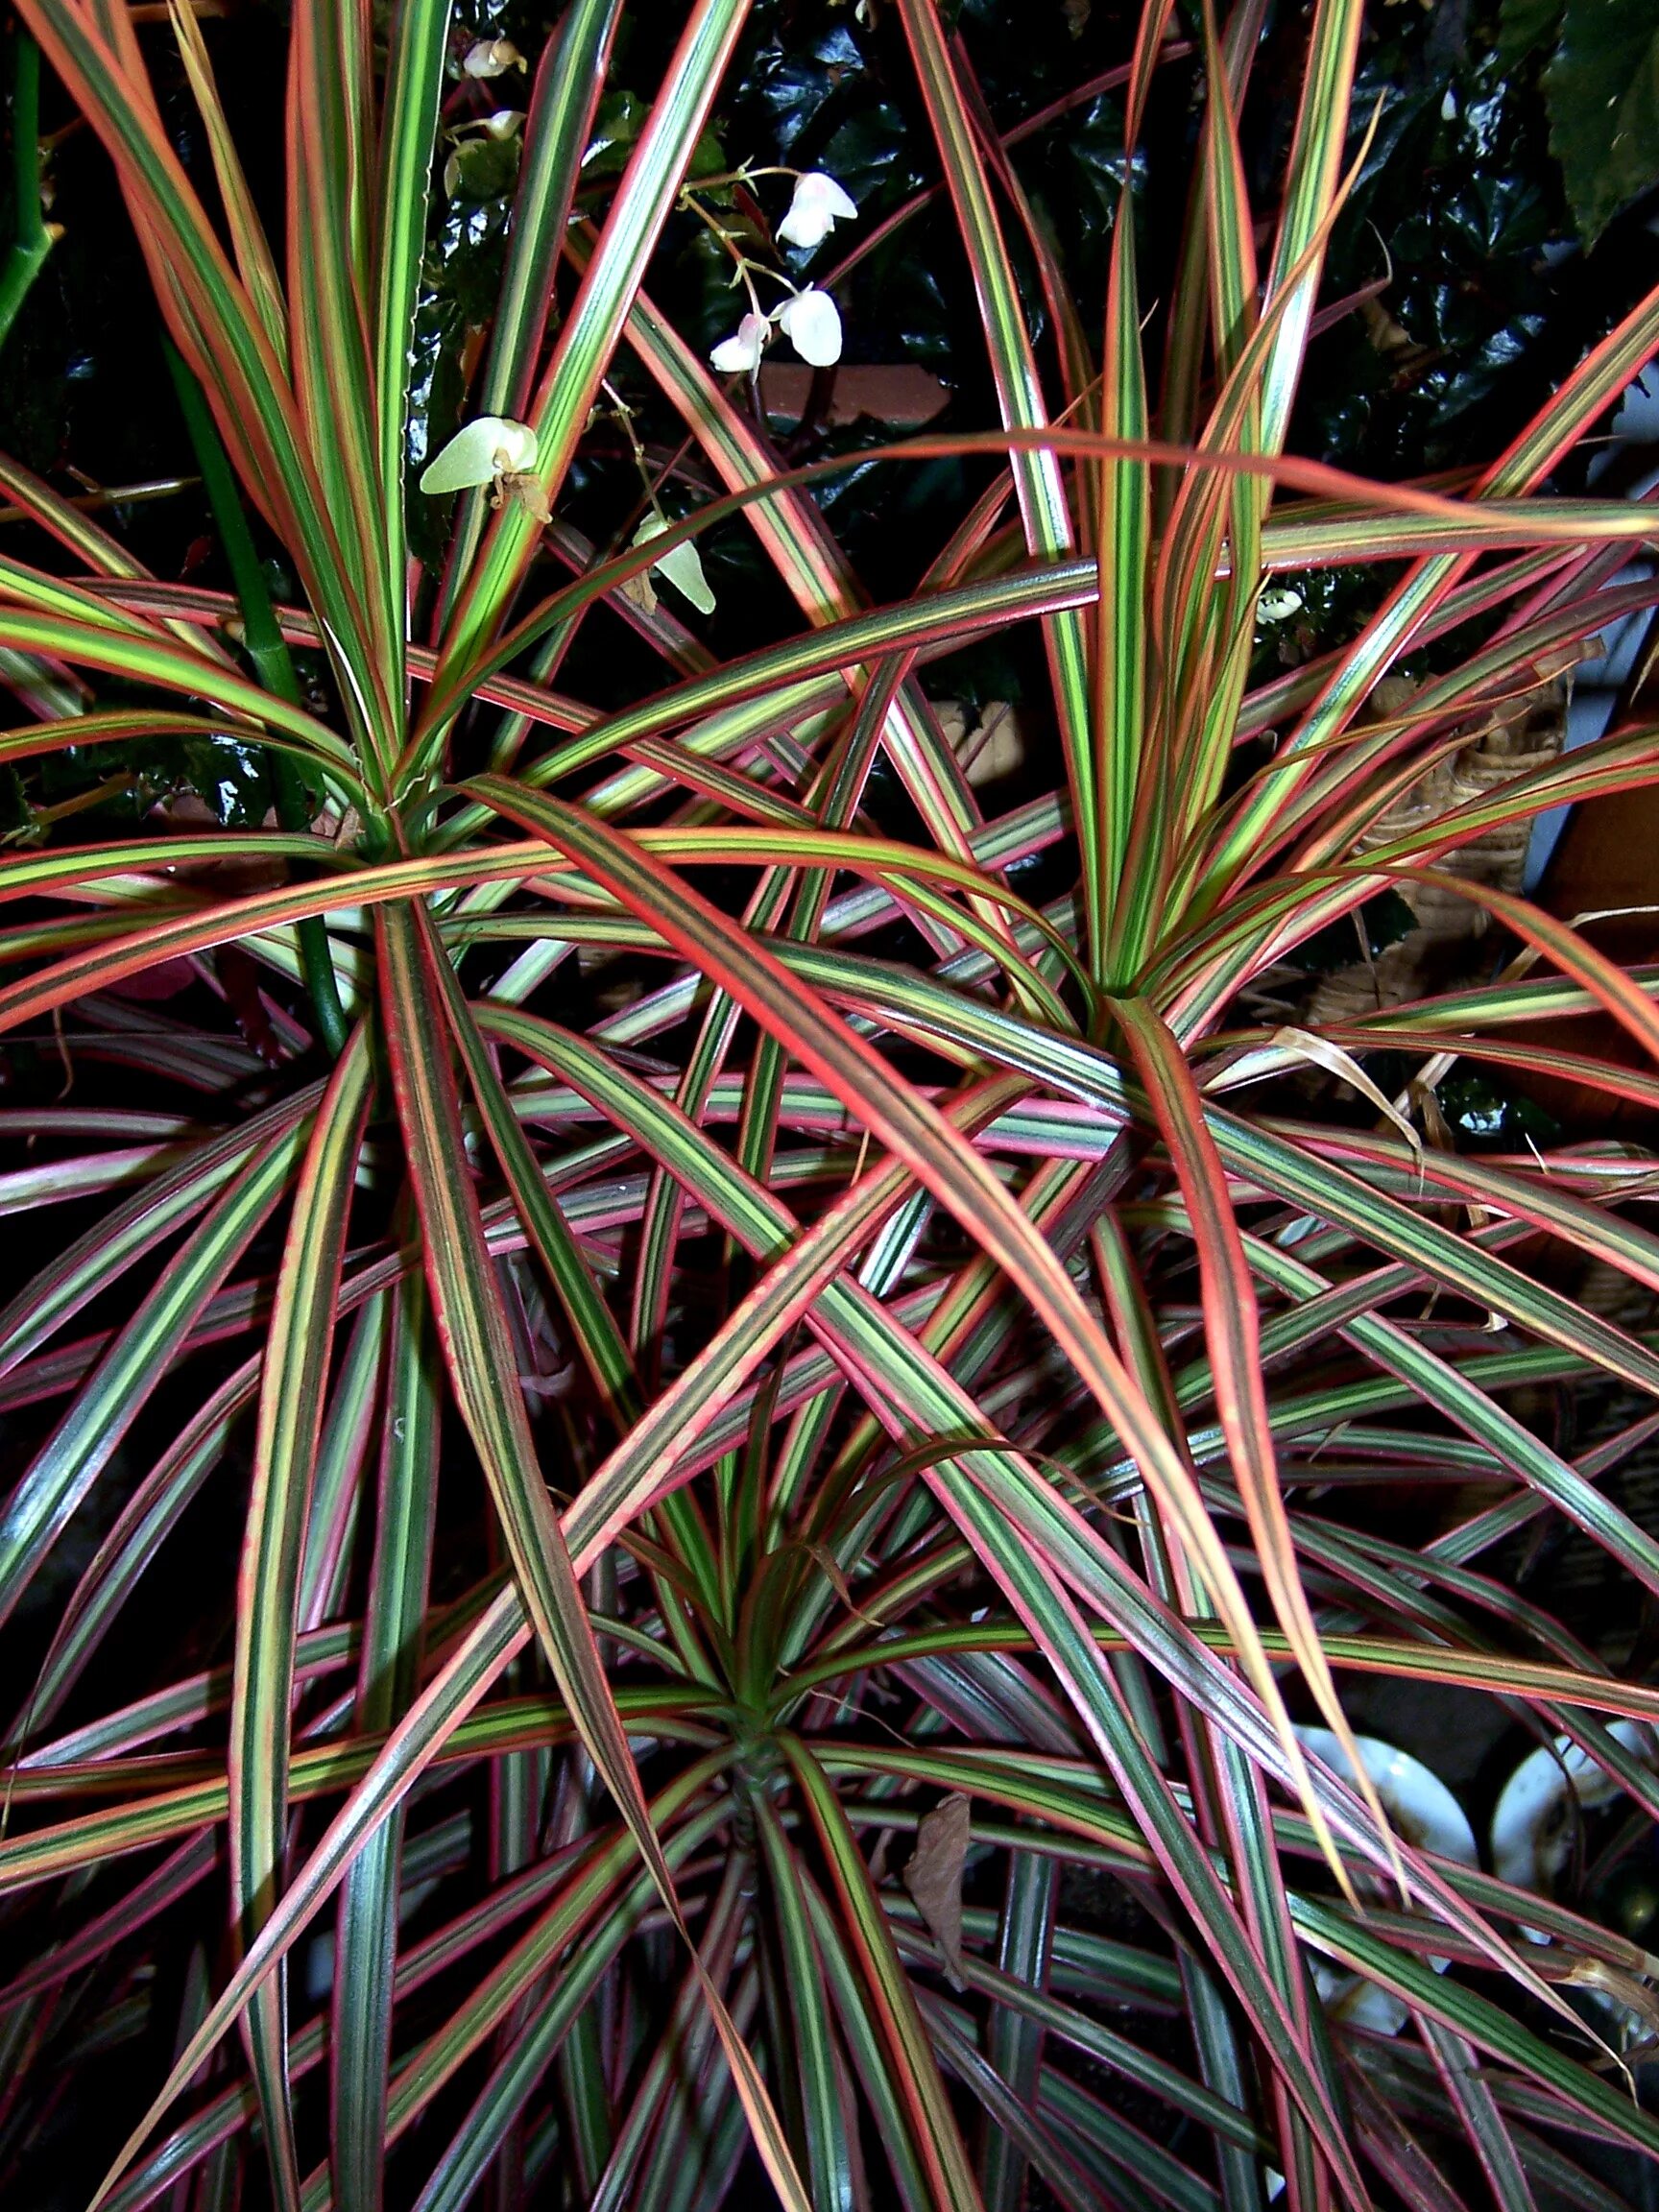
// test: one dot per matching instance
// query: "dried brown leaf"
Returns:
(933, 1877)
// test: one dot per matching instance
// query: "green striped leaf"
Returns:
(366, 1936)
(291, 1405)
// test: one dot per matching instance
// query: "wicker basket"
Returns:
(1443, 949)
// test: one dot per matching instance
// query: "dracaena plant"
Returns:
(783, 1522)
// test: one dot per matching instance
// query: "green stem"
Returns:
(35, 236)
(267, 649)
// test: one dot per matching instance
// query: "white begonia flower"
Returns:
(479, 452)
(492, 57)
(818, 205)
(742, 350)
(812, 324)
(505, 123)
(681, 566)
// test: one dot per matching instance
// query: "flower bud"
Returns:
(492, 57)
(741, 352)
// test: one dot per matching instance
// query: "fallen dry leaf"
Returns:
(933, 1877)
(640, 591)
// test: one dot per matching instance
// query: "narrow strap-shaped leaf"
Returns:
(1472, 2099)
(478, 1352)
(1603, 979)
(861, 2033)
(1489, 1672)
(942, 1160)
(1015, 2040)
(1611, 1079)
(80, 1760)
(1425, 519)
(473, 1324)
(104, 728)
(1124, 2164)
(367, 1934)
(383, 1779)
(1072, 2182)
(235, 918)
(24, 875)
(1233, 1327)
(616, 1492)
(879, 1353)
(1012, 1993)
(268, 650)
(159, 661)
(1604, 372)
(589, 1881)
(418, 45)
(176, 1875)
(829, 2156)
(1196, 618)
(1484, 2024)
(1316, 157)
(253, 260)
(1442, 1386)
(1015, 1558)
(181, 1808)
(558, 129)
(214, 2123)
(1037, 478)
(70, 1462)
(328, 186)
(47, 594)
(1221, 2051)
(659, 1224)
(556, 135)
(75, 530)
(153, 1508)
(1074, 348)
(455, 2178)
(1624, 761)
(932, 2126)
(1213, 631)
(744, 970)
(809, 561)
(679, 2059)
(1027, 1571)
(591, 1322)
(211, 318)
(291, 1406)
(570, 383)
(332, 1525)
(1258, 1154)
(1122, 527)
(134, 1227)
